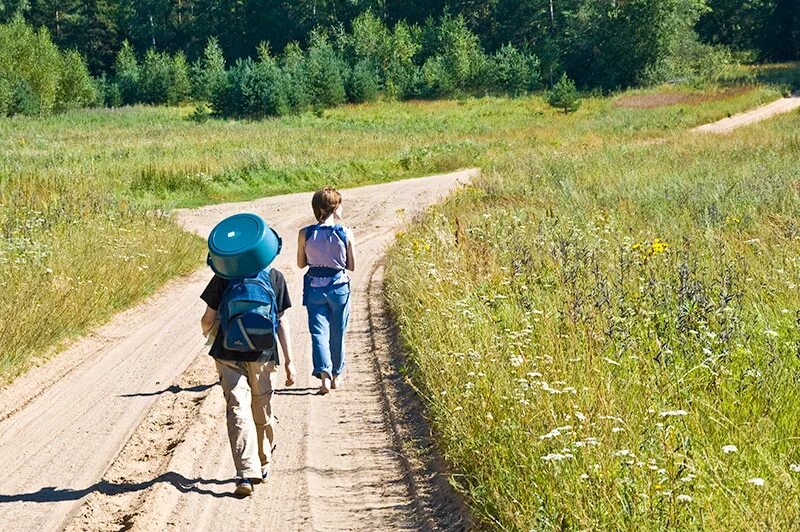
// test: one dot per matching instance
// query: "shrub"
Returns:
(229, 99)
(363, 82)
(126, 74)
(564, 95)
(325, 73)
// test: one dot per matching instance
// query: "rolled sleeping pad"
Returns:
(241, 246)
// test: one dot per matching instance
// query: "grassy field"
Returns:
(85, 197)
(607, 328)
(612, 303)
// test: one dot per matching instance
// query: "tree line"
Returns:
(565, 34)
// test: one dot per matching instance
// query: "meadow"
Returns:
(606, 327)
(591, 322)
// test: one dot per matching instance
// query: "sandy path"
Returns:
(726, 125)
(126, 428)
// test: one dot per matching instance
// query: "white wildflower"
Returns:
(728, 449)
(617, 429)
(580, 416)
(757, 481)
(770, 332)
(554, 457)
(794, 468)
(584, 476)
(684, 498)
(622, 452)
(673, 413)
(516, 360)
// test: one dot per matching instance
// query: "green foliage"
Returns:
(326, 73)
(363, 82)
(76, 88)
(6, 95)
(564, 95)
(38, 78)
(266, 89)
(156, 77)
(180, 88)
(460, 51)
(211, 71)
(293, 64)
(127, 74)
(514, 72)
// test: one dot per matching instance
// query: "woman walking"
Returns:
(327, 248)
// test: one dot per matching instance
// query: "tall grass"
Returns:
(608, 331)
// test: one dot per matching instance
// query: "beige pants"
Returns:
(248, 390)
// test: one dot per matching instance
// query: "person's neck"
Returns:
(330, 220)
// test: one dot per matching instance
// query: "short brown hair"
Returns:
(324, 202)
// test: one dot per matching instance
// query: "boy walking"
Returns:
(248, 380)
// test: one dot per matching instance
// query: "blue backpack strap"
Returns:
(341, 233)
(309, 230)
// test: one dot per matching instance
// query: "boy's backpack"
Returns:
(248, 314)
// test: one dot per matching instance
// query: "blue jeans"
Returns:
(328, 314)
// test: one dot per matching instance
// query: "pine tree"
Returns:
(564, 95)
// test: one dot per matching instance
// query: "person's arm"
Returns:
(207, 321)
(285, 339)
(351, 253)
(302, 261)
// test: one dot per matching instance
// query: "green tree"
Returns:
(10, 9)
(363, 83)
(180, 87)
(156, 77)
(126, 74)
(325, 72)
(293, 64)
(76, 88)
(564, 95)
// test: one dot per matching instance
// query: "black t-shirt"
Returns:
(212, 295)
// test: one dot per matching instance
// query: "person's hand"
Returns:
(290, 371)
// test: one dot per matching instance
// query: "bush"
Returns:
(564, 95)
(363, 82)
(514, 72)
(126, 74)
(325, 73)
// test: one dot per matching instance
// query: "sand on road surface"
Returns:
(726, 125)
(126, 428)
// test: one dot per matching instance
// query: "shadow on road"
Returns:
(181, 483)
(296, 391)
(172, 389)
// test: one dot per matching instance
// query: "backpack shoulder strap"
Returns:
(309, 230)
(341, 233)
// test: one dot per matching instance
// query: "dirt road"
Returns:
(126, 430)
(726, 125)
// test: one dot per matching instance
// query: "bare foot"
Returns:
(326, 385)
(337, 382)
